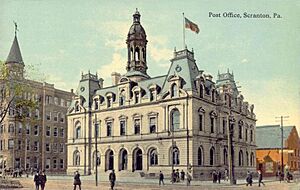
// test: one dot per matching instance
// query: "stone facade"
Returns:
(144, 125)
(38, 141)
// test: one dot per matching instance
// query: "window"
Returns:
(212, 156)
(35, 162)
(175, 120)
(27, 144)
(37, 114)
(61, 163)
(109, 102)
(136, 97)
(76, 158)
(200, 156)
(62, 132)
(224, 125)
(27, 129)
(55, 117)
(20, 128)
(175, 156)
(48, 161)
(1, 145)
(241, 158)
(62, 102)
(36, 130)
(251, 135)
(55, 132)
(212, 124)
(11, 128)
(48, 116)
(56, 100)
(252, 159)
(174, 90)
(27, 162)
(62, 118)
(240, 131)
(152, 94)
(152, 124)
(19, 145)
(61, 147)
(54, 147)
(96, 104)
(48, 131)
(137, 126)
(77, 109)
(54, 163)
(48, 99)
(109, 129)
(200, 122)
(153, 157)
(36, 146)
(225, 156)
(201, 91)
(122, 128)
(77, 130)
(1, 129)
(246, 134)
(122, 98)
(47, 147)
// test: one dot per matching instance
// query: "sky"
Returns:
(62, 39)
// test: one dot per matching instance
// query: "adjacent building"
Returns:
(143, 124)
(268, 141)
(37, 141)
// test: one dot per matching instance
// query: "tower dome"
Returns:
(136, 47)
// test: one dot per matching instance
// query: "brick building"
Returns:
(38, 141)
(268, 152)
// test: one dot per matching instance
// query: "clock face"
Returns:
(178, 68)
(82, 89)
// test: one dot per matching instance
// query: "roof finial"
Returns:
(227, 70)
(16, 28)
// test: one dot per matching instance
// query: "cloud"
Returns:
(244, 61)
(160, 54)
(118, 44)
(60, 82)
(118, 64)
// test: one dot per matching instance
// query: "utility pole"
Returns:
(230, 150)
(96, 149)
(281, 127)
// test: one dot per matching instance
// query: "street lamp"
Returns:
(230, 148)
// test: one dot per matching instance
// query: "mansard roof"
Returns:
(14, 55)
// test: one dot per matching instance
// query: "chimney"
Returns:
(101, 82)
(115, 78)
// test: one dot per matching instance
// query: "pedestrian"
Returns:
(36, 180)
(249, 179)
(260, 177)
(43, 179)
(161, 178)
(177, 175)
(173, 177)
(226, 175)
(182, 174)
(188, 179)
(77, 180)
(112, 179)
(219, 176)
(214, 176)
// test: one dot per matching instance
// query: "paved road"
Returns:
(65, 183)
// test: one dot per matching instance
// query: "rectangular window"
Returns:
(251, 135)
(28, 162)
(27, 144)
(20, 128)
(137, 127)
(122, 128)
(224, 126)
(62, 118)
(61, 164)
(200, 122)
(48, 131)
(55, 117)
(1, 146)
(36, 146)
(48, 116)
(54, 147)
(109, 102)
(246, 135)
(152, 124)
(47, 147)
(62, 132)
(11, 143)
(56, 100)
(62, 102)
(108, 129)
(212, 125)
(36, 130)
(48, 161)
(55, 132)
(54, 163)
(61, 147)
(19, 145)
(27, 129)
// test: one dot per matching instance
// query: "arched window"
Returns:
(200, 156)
(76, 158)
(122, 98)
(241, 158)
(109, 156)
(174, 90)
(225, 156)
(123, 159)
(96, 104)
(77, 130)
(11, 128)
(153, 157)
(175, 120)
(136, 97)
(240, 131)
(212, 156)
(137, 54)
(201, 91)
(247, 158)
(175, 159)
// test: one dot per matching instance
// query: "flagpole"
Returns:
(184, 44)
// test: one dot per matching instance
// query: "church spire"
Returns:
(15, 55)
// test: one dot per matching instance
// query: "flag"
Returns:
(189, 24)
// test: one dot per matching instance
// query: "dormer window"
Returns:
(136, 97)
(96, 104)
(122, 98)
(77, 106)
(152, 94)
(109, 102)
(174, 90)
